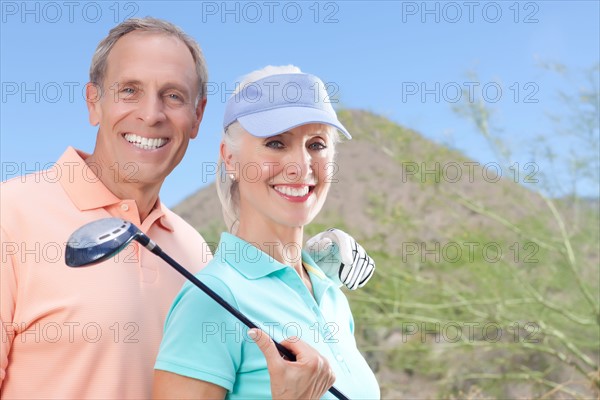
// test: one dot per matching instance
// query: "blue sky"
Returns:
(389, 57)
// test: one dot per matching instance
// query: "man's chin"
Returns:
(143, 175)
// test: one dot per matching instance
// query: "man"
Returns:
(94, 332)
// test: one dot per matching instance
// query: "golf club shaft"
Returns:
(154, 248)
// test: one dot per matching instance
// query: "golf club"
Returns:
(99, 240)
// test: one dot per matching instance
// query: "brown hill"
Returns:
(389, 173)
(456, 245)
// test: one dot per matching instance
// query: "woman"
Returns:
(276, 157)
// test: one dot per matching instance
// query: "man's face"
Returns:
(147, 112)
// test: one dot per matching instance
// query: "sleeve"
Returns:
(201, 339)
(8, 295)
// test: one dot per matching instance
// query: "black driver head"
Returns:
(98, 240)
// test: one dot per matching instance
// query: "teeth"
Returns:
(290, 191)
(145, 143)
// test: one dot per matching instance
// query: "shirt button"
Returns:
(124, 207)
(339, 358)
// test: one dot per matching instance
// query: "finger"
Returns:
(331, 379)
(295, 345)
(327, 377)
(265, 344)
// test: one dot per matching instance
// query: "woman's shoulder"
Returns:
(219, 269)
(220, 276)
(216, 276)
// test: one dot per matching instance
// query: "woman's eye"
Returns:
(128, 91)
(274, 144)
(317, 146)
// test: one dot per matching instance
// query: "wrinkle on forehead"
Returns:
(146, 55)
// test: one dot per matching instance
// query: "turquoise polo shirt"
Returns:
(203, 341)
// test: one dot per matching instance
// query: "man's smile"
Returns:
(144, 142)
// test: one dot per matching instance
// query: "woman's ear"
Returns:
(227, 157)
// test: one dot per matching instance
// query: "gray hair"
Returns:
(228, 188)
(147, 24)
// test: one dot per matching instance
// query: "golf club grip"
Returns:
(213, 295)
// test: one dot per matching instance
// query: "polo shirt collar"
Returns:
(245, 257)
(159, 214)
(320, 282)
(163, 220)
(82, 185)
(252, 262)
(87, 191)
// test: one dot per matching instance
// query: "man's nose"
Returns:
(151, 109)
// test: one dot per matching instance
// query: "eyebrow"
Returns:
(176, 86)
(166, 86)
(128, 81)
(312, 135)
(287, 133)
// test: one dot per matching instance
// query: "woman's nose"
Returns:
(299, 166)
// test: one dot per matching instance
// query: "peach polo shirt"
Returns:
(91, 332)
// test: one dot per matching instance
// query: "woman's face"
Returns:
(284, 179)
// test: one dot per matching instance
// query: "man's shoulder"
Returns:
(187, 240)
(43, 180)
(38, 185)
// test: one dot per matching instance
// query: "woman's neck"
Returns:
(284, 244)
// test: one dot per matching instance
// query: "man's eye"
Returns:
(128, 93)
(174, 98)
(275, 144)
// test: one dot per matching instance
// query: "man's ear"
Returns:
(199, 114)
(93, 93)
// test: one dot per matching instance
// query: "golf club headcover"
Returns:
(341, 258)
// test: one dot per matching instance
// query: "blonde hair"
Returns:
(228, 188)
